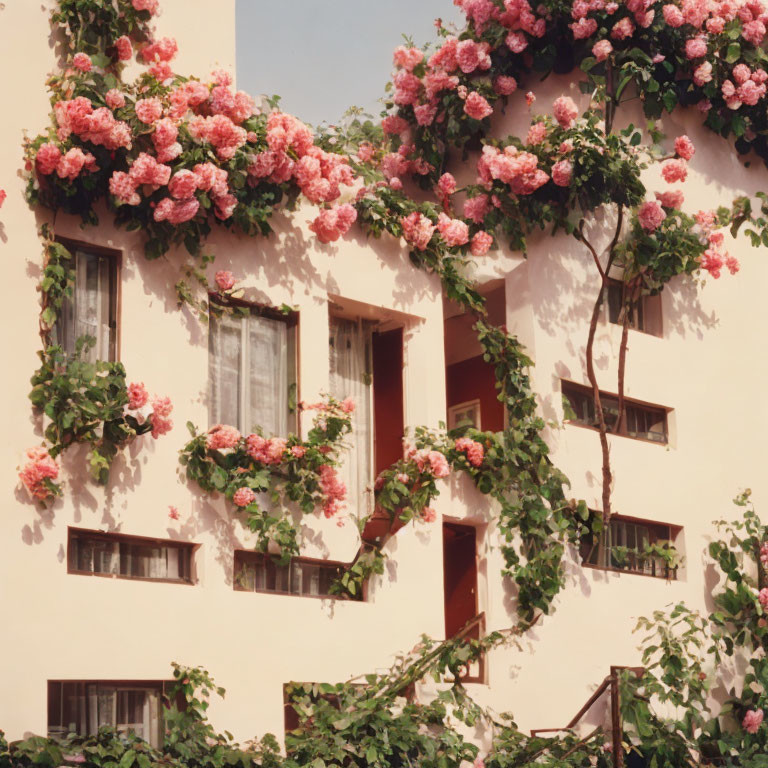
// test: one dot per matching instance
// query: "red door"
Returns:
(388, 416)
(459, 575)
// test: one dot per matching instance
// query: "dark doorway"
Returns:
(459, 575)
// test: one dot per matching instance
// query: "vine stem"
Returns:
(607, 475)
(629, 297)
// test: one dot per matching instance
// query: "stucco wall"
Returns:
(709, 367)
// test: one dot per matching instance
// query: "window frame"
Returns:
(115, 257)
(292, 320)
(245, 556)
(640, 307)
(654, 526)
(631, 403)
(118, 538)
(154, 686)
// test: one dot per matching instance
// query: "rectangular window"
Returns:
(252, 371)
(82, 707)
(257, 572)
(645, 314)
(642, 421)
(367, 366)
(129, 557)
(92, 308)
(622, 547)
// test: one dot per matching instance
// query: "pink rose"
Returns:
(454, 231)
(243, 497)
(82, 61)
(650, 216)
(504, 85)
(674, 170)
(481, 243)
(565, 111)
(561, 173)
(138, 396)
(684, 147)
(752, 721)
(602, 49)
(224, 280)
(124, 48)
(477, 107)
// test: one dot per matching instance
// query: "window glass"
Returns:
(92, 308)
(256, 572)
(640, 421)
(252, 373)
(350, 376)
(622, 547)
(82, 707)
(113, 554)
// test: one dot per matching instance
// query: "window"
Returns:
(83, 706)
(645, 314)
(367, 365)
(465, 415)
(92, 308)
(644, 422)
(627, 545)
(256, 572)
(129, 557)
(252, 371)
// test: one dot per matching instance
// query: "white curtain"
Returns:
(87, 313)
(248, 373)
(267, 366)
(350, 352)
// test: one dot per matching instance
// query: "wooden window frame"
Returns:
(243, 556)
(631, 403)
(191, 548)
(292, 319)
(160, 686)
(643, 302)
(116, 257)
(654, 527)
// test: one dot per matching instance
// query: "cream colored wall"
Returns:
(708, 367)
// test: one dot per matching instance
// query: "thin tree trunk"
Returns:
(627, 306)
(602, 427)
(607, 476)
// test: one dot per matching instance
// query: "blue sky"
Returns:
(322, 56)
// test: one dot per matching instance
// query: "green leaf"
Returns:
(733, 53)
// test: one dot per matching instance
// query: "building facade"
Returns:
(102, 591)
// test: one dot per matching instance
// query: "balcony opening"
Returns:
(366, 364)
(470, 382)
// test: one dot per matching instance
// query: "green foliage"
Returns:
(291, 480)
(93, 26)
(85, 403)
(57, 282)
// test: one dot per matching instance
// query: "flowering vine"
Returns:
(83, 401)
(290, 470)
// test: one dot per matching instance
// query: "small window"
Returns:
(645, 314)
(642, 421)
(92, 309)
(252, 371)
(83, 706)
(622, 547)
(256, 572)
(465, 415)
(129, 557)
